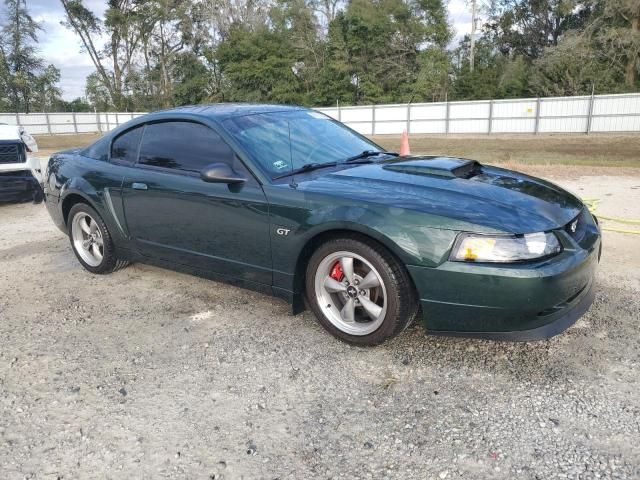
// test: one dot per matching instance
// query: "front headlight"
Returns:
(504, 248)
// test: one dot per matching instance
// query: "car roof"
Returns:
(222, 111)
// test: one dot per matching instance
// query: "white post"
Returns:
(46, 116)
(591, 101)
(373, 120)
(446, 119)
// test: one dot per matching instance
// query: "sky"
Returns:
(61, 47)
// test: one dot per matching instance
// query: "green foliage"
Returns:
(257, 67)
(395, 51)
(25, 82)
(553, 47)
(162, 53)
(573, 68)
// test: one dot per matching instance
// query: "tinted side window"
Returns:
(98, 150)
(183, 146)
(125, 147)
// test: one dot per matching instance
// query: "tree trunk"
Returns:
(631, 71)
(117, 72)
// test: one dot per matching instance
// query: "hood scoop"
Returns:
(437, 166)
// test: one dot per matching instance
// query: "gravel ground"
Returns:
(148, 373)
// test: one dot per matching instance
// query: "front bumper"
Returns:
(510, 302)
(20, 186)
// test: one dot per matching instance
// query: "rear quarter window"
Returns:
(98, 150)
(125, 147)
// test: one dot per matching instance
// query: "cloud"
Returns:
(62, 47)
(460, 18)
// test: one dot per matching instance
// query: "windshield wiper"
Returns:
(369, 153)
(355, 159)
(307, 167)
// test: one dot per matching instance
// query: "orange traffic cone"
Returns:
(404, 144)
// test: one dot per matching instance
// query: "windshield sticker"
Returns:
(280, 165)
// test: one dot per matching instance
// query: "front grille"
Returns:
(17, 174)
(12, 153)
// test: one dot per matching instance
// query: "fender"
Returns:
(402, 234)
(366, 230)
(79, 186)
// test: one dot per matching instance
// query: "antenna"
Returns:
(292, 183)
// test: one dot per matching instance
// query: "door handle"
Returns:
(139, 186)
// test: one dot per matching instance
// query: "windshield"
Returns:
(315, 138)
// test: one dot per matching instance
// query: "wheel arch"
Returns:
(73, 198)
(321, 237)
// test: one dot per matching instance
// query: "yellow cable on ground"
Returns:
(592, 205)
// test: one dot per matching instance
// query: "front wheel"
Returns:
(359, 292)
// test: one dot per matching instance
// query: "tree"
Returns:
(18, 55)
(617, 33)
(603, 54)
(46, 92)
(258, 67)
(25, 82)
(295, 22)
(327, 9)
(389, 46)
(162, 53)
(523, 27)
(97, 94)
(124, 25)
(191, 80)
(572, 68)
(223, 15)
(75, 105)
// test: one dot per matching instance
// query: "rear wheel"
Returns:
(91, 241)
(359, 291)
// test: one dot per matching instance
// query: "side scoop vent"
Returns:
(437, 166)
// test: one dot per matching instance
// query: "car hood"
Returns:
(455, 188)
(9, 132)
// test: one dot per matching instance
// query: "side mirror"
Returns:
(220, 173)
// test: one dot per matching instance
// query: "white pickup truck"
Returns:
(20, 173)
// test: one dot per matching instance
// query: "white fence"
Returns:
(57, 123)
(591, 114)
(597, 114)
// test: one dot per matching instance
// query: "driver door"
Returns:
(175, 216)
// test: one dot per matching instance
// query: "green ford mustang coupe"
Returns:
(288, 201)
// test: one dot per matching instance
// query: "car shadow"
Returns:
(597, 344)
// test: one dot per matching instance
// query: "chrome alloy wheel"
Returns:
(351, 293)
(87, 239)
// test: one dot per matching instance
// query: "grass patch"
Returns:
(588, 151)
(575, 154)
(61, 142)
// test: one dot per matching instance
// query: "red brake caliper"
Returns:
(336, 272)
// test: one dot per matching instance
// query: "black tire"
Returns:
(110, 263)
(401, 301)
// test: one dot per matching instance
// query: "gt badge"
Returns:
(282, 231)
